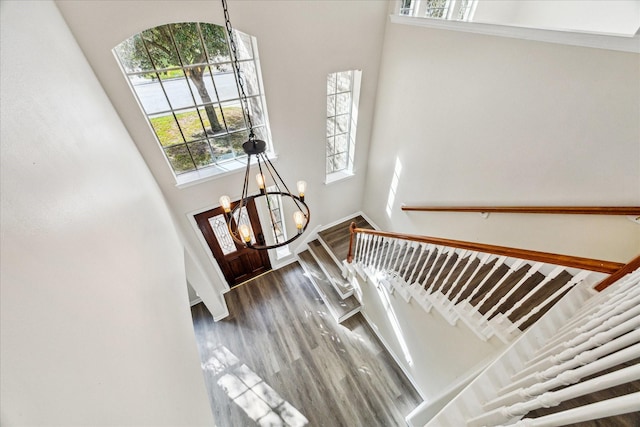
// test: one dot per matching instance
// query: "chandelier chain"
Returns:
(236, 66)
(241, 233)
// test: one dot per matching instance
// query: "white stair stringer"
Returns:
(345, 291)
(338, 262)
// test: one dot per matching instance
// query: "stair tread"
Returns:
(337, 236)
(338, 306)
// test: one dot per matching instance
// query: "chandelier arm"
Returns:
(273, 178)
(264, 182)
(231, 221)
(266, 192)
(273, 223)
(295, 198)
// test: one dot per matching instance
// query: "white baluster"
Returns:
(408, 248)
(468, 261)
(417, 263)
(598, 315)
(450, 253)
(583, 358)
(459, 258)
(386, 243)
(495, 267)
(401, 256)
(414, 249)
(534, 269)
(611, 320)
(585, 342)
(416, 288)
(611, 296)
(569, 376)
(372, 252)
(380, 256)
(365, 251)
(392, 253)
(430, 250)
(438, 252)
(554, 398)
(485, 259)
(516, 325)
(444, 306)
(512, 269)
(570, 284)
(356, 249)
(594, 411)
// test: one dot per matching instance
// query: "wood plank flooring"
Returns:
(285, 361)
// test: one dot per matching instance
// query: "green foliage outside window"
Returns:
(202, 128)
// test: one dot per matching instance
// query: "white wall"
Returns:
(95, 322)
(299, 44)
(436, 355)
(482, 120)
(618, 17)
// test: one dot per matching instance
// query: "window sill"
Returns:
(214, 172)
(574, 38)
(338, 176)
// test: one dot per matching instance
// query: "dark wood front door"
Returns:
(238, 264)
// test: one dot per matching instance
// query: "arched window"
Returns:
(184, 80)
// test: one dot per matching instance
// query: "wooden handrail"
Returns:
(580, 210)
(628, 268)
(546, 257)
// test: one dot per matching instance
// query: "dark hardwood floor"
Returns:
(279, 359)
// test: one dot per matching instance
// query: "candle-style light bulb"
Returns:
(302, 187)
(260, 181)
(245, 233)
(298, 219)
(225, 203)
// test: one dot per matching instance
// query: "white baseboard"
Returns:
(195, 301)
(222, 316)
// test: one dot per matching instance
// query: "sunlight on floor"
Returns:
(256, 398)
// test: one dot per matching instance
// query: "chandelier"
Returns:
(268, 179)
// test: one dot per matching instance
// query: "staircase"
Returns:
(324, 264)
(578, 366)
(572, 353)
(493, 295)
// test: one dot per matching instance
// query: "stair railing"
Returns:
(591, 264)
(495, 290)
(564, 210)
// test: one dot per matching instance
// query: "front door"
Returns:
(238, 264)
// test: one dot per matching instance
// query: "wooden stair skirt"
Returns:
(323, 262)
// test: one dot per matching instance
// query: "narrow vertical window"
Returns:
(406, 7)
(343, 90)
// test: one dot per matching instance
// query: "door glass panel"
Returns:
(244, 219)
(220, 229)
